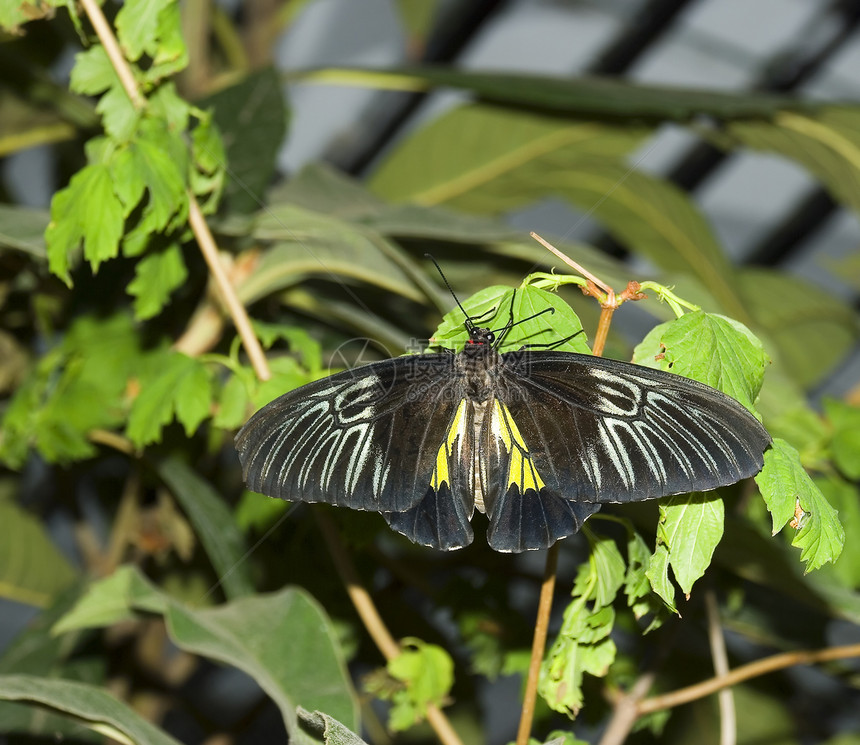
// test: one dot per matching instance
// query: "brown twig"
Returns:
(728, 721)
(371, 619)
(626, 712)
(547, 590)
(745, 672)
(195, 216)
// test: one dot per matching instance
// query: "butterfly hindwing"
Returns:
(606, 431)
(524, 513)
(441, 518)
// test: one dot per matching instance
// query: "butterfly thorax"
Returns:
(476, 367)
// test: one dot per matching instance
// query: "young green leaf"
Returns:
(86, 210)
(176, 385)
(93, 72)
(691, 526)
(658, 576)
(137, 25)
(785, 484)
(709, 348)
(608, 569)
(427, 672)
(541, 318)
(157, 275)
(583, 644)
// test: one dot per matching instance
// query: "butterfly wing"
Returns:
(442, 518)
(599, 430)
(367, 438)
(525, 512)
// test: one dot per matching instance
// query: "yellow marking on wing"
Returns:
(522, 471)
(446, 449)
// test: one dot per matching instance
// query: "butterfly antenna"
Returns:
(469, 324)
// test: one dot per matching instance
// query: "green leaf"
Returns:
(825, 142)
(255, 511)
(845, 443)
(32, 569)
(137, 25)
(76, 387)
(782, 480)
(845, 498)
(583, 644)
(492, 308)
(156, 161)
(691, 526)
(252, 118)
(175, 385)
(119, 116)
(210, 163)
(232, 404)
(587, 97)
(156, 276)
(608, 568)
(299, 664)
(111, 600)
(35, 651)
(171, 54)
(321, 188)
(427, 671)
(312, 244)
(95, 708)
(326, 728)
(23, 229)
(811, 334)
(658, 576)
(710, 348)
(213, 524)
(86, 210)
(93, 72)
(471, 157)
(637, 587)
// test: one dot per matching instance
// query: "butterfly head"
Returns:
(480, 336)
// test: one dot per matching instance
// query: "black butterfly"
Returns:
(537, 440)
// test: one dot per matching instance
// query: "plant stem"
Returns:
(625, 712)
(547, 590)
(228, 293)
(195, 216)
(728, 720)
(745, 672)
(371, 619)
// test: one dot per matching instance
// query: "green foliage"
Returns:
(32, 570)
(421, 675)
(583, 644)
(787, 489)
(91, 706)
(541, 319)
(845, 441)
(297, 665)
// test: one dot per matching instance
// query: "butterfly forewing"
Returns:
(606, 431)
(365, 438)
